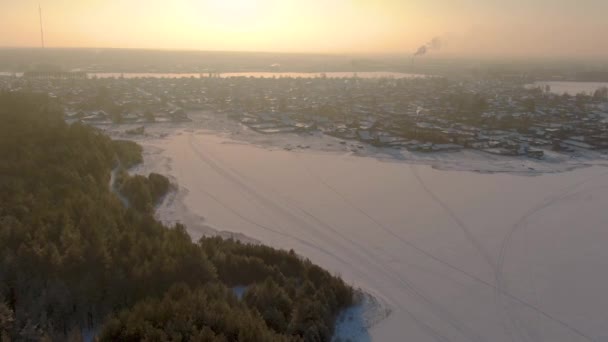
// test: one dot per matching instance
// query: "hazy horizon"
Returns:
(472, 28)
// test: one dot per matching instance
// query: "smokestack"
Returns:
(41, 30)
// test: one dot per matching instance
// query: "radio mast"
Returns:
(41, 30)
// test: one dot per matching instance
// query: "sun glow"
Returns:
(235, 14)
(334, 26)
(238, 7)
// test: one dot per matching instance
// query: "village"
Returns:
(503, 116)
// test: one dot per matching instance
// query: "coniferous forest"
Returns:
(77, 261)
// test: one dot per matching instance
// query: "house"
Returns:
(446, 147)
(576, 144)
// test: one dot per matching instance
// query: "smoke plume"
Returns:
(434, 44)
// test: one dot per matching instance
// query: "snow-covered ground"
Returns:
(445, 254)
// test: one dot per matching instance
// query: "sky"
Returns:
(559, 28)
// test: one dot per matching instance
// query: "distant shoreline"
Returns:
(255, 74)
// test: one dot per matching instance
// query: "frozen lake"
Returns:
(572, 88)
(453, 255)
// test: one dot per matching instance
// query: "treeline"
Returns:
(127, 152)
(142, 193)
(75, 261)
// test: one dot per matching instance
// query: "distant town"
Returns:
(503, 115)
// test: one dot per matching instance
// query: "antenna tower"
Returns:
(41, 30)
